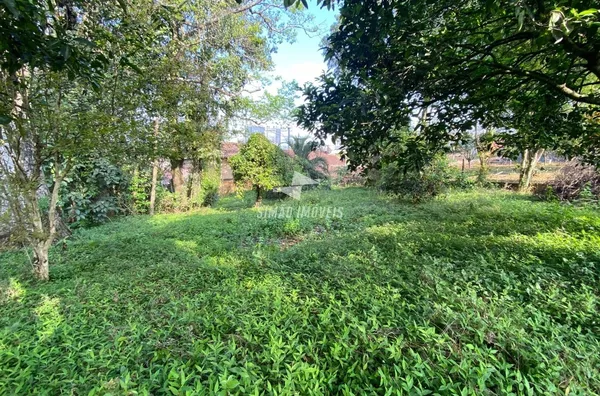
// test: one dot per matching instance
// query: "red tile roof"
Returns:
(333, 160)
(229, 149)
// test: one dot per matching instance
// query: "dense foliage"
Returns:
(262, 165)
(129, 82)
(529, 66)
(484, 292)
(311, 164)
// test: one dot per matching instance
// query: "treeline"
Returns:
(410, 80)
(94, 93)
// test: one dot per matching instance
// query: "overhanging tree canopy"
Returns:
(458, 59)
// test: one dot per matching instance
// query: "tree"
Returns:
(82, 79)
(276, 109)
(49, 116)
(200, 75)
(466, 148)
(261, 164)
(486, 147)
(304, 150)
(460, 61)
(533, 122)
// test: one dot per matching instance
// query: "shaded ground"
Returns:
(480, 293)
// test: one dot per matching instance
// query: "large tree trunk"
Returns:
(177, 176)
(41, 269)
(528, 165)
(154, 173)
(258, 197)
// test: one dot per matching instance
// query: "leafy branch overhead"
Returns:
(463, 62)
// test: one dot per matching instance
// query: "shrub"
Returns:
(211, 179)
(261, 164)
(95, 191)
(576, 181)
(432, 180)
(139, 192)
(167, 201)
(346, 178)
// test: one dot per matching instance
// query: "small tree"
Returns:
(486, 148)
(466, 148)
(261, 164)
(315, 167)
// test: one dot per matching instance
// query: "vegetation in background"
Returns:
(95, 190)
(347, 291)
(128, 82)
(312, 165)
(576, 181)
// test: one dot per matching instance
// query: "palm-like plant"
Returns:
(315, 167)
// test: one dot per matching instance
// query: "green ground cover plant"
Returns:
(474, 293)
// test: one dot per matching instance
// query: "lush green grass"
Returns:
(478, 293)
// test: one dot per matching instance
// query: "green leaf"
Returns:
(10, 4)
(591, 11)
(5, 119)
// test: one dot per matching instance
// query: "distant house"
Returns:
(334, 162)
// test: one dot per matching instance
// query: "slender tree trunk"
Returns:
(177, 176)
(153, 187)
(525, 161)
(41, 268)
(484, 168)
(154, 172)
(463, 166)
(528, 165)
(258, 197)
(531, 166)
(42, 238)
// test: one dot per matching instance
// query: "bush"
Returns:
(345, 178)
(211, 180)
(169, 202)
(577, 182)
(461, 181)
(139, 192)
(434, 179)
(261, 164)
(95, 191)
(206, 195)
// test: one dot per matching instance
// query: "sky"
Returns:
(302, 60)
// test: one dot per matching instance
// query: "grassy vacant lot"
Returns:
(478, 293)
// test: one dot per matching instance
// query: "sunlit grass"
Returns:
(481, 292)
